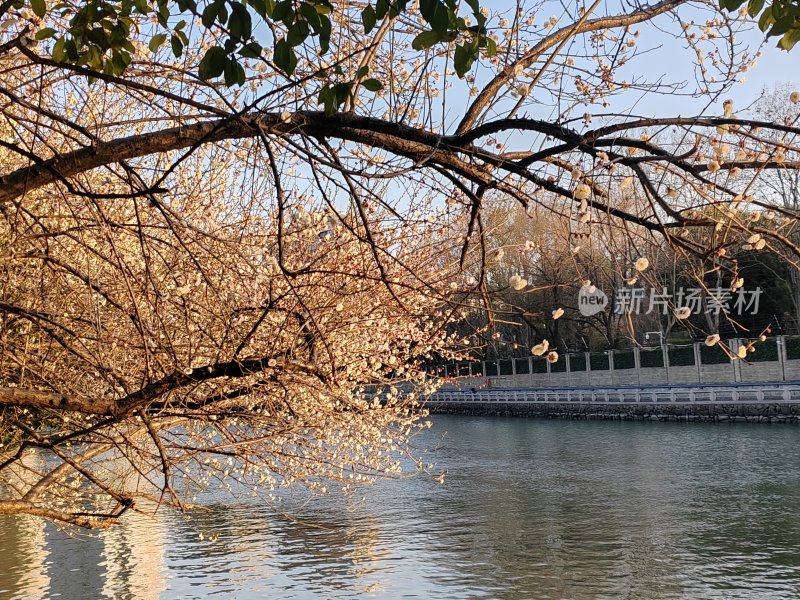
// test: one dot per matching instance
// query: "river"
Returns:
(528, 509)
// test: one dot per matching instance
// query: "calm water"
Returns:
(529, 509)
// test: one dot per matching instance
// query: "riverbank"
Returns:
(718, 413)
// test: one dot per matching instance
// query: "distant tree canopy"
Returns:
(232, 234)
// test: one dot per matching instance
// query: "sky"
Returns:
(661, 57)
(774, 67)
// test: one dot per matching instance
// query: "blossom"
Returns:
(713, 166)
(558, 313)
(754, 238)
(642, 264)
(552, 357)
(517, 282)
(712, 339)
(794, 97)
(498, 254)
(727, 108)
(741, 352)
(582, 191)
(737, 283)
(540, 348)
(684, 312)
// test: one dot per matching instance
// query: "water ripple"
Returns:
(529, 509)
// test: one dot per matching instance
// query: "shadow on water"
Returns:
(529, 509)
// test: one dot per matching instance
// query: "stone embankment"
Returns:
(732, 413)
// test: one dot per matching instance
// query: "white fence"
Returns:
(666, 365)
(777, 393)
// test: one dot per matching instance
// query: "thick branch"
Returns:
(19, 507)
(40, 399)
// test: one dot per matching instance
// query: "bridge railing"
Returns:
(776, 359)
(778, 393)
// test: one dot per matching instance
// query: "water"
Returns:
(528, 509)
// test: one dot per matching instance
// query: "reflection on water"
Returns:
(529, 509)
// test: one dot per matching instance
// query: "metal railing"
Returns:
(775, 393)
(776, 360)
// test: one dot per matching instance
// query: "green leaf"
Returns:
(766, 20)
(342, 92)
(789, 40)
(177, 45)
(58, 53)
(730, 5)
(395, 8)
(213, 63)
(425, 40)
(326, 98)
(324, 34)
(436, 14)
(210, 13)
(260, 6)
(297, 33)
(120, 61)
(240, 24)
(285, 58)
(373, 85)
(311, 15)
(323, 7)
(156, 41)
(251, 50)
(473, 4)
(282, 10)
(463, 58)
(45, 33)
(368, 18)
(491, 47)
(231, 78)
(38, 7)
(754, 7)
(381, 8)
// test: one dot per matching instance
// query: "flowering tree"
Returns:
(223, 256)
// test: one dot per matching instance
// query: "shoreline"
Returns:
(704, 413)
